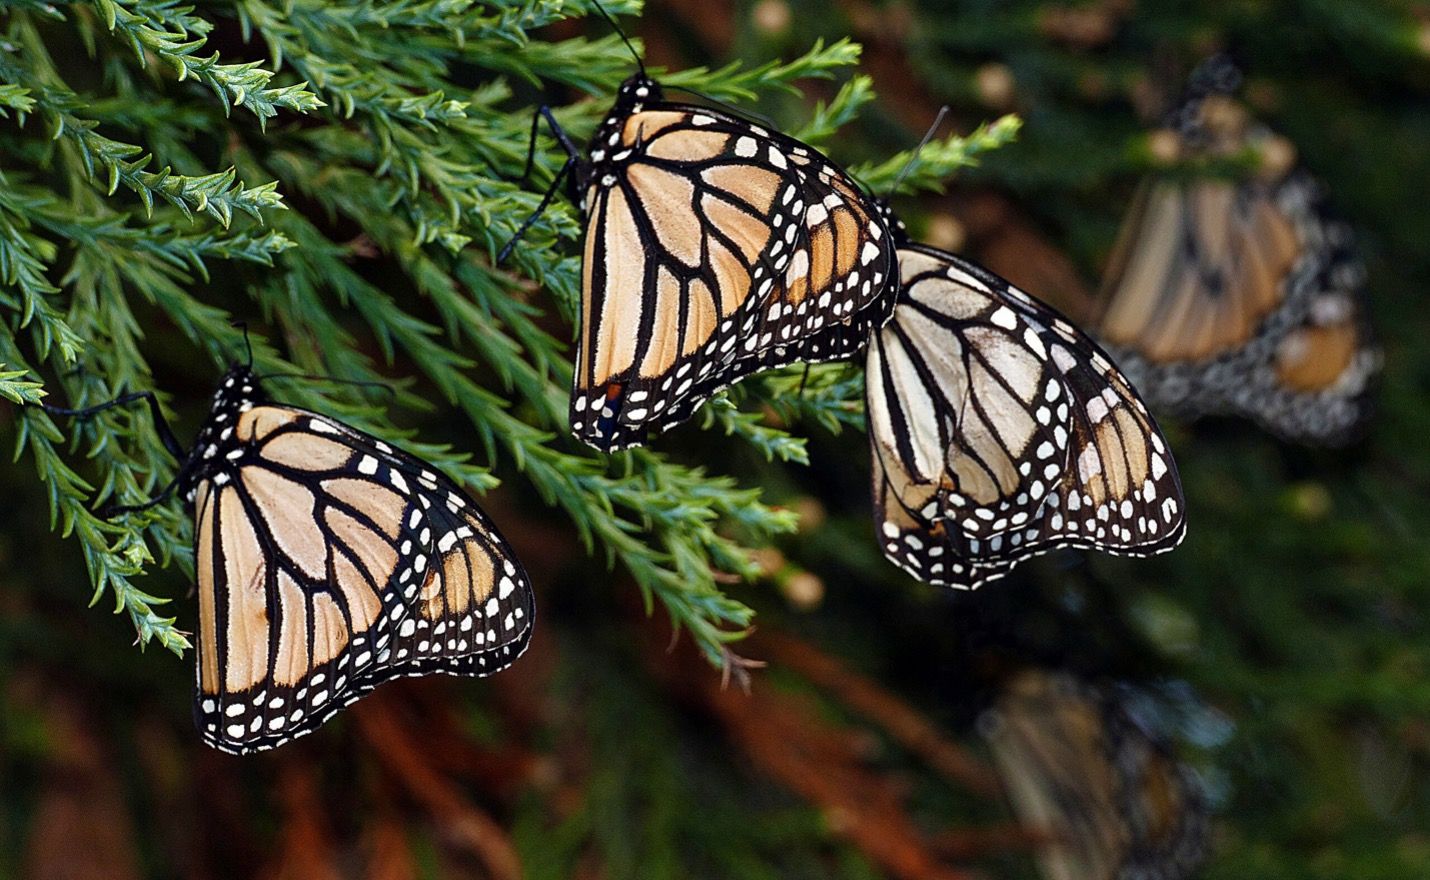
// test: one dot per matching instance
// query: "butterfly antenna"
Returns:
(914, 159)
(247, 343)
(620, 33)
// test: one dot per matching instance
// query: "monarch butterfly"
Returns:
(1240, 296)
(1000, 431)
(1076, 765)
(714, 248)
(328, 562)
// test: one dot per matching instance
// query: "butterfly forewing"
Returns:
(714, 249)
(1221, 256)
(1000, 432)
(329, 562)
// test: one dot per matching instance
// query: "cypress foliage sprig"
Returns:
(219, 195)
(174, 34)
(17, 389)
(929, 168)
(404, 169)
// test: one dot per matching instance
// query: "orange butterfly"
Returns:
(328, 562)
(1240, 296)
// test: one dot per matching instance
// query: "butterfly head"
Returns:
(637, 91)
(238, 392)
(1208, 112)
(606, 144)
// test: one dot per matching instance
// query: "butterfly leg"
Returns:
(572, 152)
(544, 112)
(161, 425)
(535, 215)
(110, 511)
(573, 160)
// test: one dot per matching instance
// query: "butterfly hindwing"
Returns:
(714, 248)
(472, 614)
(966, 384)
(1000, 431)
(329, 562)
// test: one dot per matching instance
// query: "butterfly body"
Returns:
(329, 562)
(714, 249)
(999, 431)
(238, 392)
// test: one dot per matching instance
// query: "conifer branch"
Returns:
(220, 195)
(734, 82)
(826, 119)
(17, 389)
(930, 168)
(17, 98)
(424, 169)
(174, 34)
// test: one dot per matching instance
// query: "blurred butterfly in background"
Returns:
(714, 248)
(1240, 296)
(1079, 768)
(328, 563)
(1000, 431)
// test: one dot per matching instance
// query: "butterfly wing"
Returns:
(714, 249)
(329, 562)
(1241, 296)
(1000, 431)
(1050, 751)
(1114, 803)
(1211, 261)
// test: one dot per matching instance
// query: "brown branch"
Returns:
(406, 757)
(305, 848)
(969, 843)
(904, 724)
(430, 704)
(80, 826)
(819, 761)
(389, 855)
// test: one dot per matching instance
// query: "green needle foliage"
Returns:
(346, 172)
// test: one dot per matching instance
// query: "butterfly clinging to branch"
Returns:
(328, 562)
(714, 248)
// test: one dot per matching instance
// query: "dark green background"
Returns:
(1294, 610)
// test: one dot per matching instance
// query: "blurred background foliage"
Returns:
(1283, 646)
